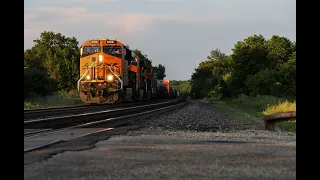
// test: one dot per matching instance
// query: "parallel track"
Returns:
(77, 119)
(105, 124)
(49, 112)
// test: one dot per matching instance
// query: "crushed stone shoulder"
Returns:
(200, 116)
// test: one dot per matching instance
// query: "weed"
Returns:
(59, 99)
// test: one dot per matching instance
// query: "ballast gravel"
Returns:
(199, 116)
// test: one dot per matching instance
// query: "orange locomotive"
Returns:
(110, 73)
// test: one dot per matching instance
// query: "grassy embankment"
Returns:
(59, 99)
(250, 108)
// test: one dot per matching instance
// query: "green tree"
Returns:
(58, 55)
(161, 71)
(278, 79)
(265, 82)
(249, 57)
(183, 87)
(212, 76)
(287, 73)
(202, 80)
(279, 50)
(31, 60)
(221, 71)
(37, 82)
(256, 66)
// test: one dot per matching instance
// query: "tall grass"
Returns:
(59, 99)
(259, 106)
(281, 107)
(256, 106)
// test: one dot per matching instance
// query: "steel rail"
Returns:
(40, 113)
(110, 122)
(62, 121)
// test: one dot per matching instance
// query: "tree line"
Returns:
(256, 66)
(182, 86)
(52, 64)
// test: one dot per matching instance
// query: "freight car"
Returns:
(172, 92)
(160, 90)
(111, 73)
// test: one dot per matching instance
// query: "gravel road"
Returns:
(194, 142)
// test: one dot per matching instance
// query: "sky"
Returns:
(178, 34)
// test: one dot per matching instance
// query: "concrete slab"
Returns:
(156, 158)
(44, 139)
(27, 131)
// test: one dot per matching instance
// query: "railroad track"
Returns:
(59, 122)
(40, 138)
(49, 112)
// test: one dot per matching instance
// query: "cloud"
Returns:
(76, 3)
(132, 21)
(81, 22)
(82, 18)
(162, 1)
(40, 19)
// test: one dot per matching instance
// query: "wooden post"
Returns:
(270, 120)
(271, 126)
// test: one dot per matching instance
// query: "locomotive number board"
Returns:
(94, 42)
(110, 42)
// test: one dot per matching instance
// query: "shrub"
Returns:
(37, 82)
(282, 107)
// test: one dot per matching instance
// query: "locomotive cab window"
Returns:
(112, 49)
(87, 50)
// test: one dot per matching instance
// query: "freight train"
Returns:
(111, 73)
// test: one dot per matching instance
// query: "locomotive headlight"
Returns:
(100, 58)
(88, 77)
(110, 77)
